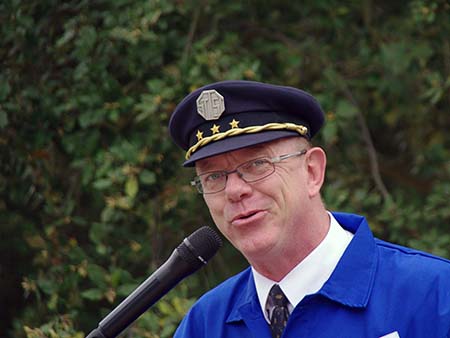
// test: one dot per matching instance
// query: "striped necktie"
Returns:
(280, 312)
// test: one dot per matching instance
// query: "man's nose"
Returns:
(236, 188)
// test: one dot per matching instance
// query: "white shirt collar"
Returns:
(309, 275)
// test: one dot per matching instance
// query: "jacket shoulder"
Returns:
(424, 267)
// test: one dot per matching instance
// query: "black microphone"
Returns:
(188, 257)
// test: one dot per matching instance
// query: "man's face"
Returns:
(263, 218)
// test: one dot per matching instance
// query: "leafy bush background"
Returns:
(92, 196)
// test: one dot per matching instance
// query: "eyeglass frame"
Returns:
(197, 181)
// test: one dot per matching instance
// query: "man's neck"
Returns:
(276, 266)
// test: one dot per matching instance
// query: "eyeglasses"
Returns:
(250, 171)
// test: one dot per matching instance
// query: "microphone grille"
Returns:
(205, 241)
(199, 246)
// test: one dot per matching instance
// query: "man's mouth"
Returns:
(245, 217)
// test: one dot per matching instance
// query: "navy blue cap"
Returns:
(231, 115)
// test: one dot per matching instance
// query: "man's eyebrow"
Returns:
(204, 166)
(252, 152)
(207, 164)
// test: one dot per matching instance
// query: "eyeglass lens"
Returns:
(250, 171)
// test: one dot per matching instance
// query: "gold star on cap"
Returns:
(234, 124)
(199, 135)
(215, 129)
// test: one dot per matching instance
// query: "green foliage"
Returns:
(165, 316)
(59, 327)
(92, 196)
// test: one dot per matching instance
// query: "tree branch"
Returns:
(373, 159)
(191, 34)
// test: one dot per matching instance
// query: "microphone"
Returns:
(193, 252)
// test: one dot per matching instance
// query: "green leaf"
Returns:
(345, 110)
(147, 177)
(165, 307)
(132, 187)
(53, 302)
(102, 183)
(5, 88)
(66, 37)
(91, 117)
(3, 119)
(98, 232)
(47, 286)
(92, 294)
(96, 274)
(329, 132)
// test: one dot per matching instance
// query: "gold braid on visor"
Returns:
(302, 130)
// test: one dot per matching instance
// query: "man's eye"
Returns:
(213, 176)
(258, 163)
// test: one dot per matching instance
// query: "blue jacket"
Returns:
(377, 288)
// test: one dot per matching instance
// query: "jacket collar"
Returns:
(247, 304)
(352, 281)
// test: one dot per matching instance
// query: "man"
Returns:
(312, 273)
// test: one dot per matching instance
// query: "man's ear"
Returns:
(316, 161)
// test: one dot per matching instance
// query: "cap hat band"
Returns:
(302, 130)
